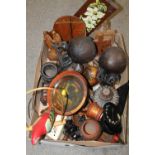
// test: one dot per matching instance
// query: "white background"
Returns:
(13, 77)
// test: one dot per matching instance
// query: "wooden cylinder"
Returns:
(94, 111)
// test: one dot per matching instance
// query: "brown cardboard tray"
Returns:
(36, 107)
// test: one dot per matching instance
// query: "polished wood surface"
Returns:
(69, 27)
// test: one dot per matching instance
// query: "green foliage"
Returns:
(52, 115)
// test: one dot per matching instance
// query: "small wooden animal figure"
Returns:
(49, 39)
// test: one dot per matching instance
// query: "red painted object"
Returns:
(40, 128)
(115, 138)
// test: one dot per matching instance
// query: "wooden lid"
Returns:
(69, 27)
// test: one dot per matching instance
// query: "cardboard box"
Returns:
(36, 106)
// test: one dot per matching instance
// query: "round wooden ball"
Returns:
(113, 60)
(82, 49)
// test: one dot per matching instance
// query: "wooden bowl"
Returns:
(76, 87)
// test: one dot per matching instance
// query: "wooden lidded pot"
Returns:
(90, 129)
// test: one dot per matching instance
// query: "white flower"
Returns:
(91, 11)
(100, 14)
(94, 13)
(93, 16)
(90, 24)
(94, 9)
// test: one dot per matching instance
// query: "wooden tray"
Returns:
(111, 9)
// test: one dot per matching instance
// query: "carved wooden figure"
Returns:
(49, 39)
